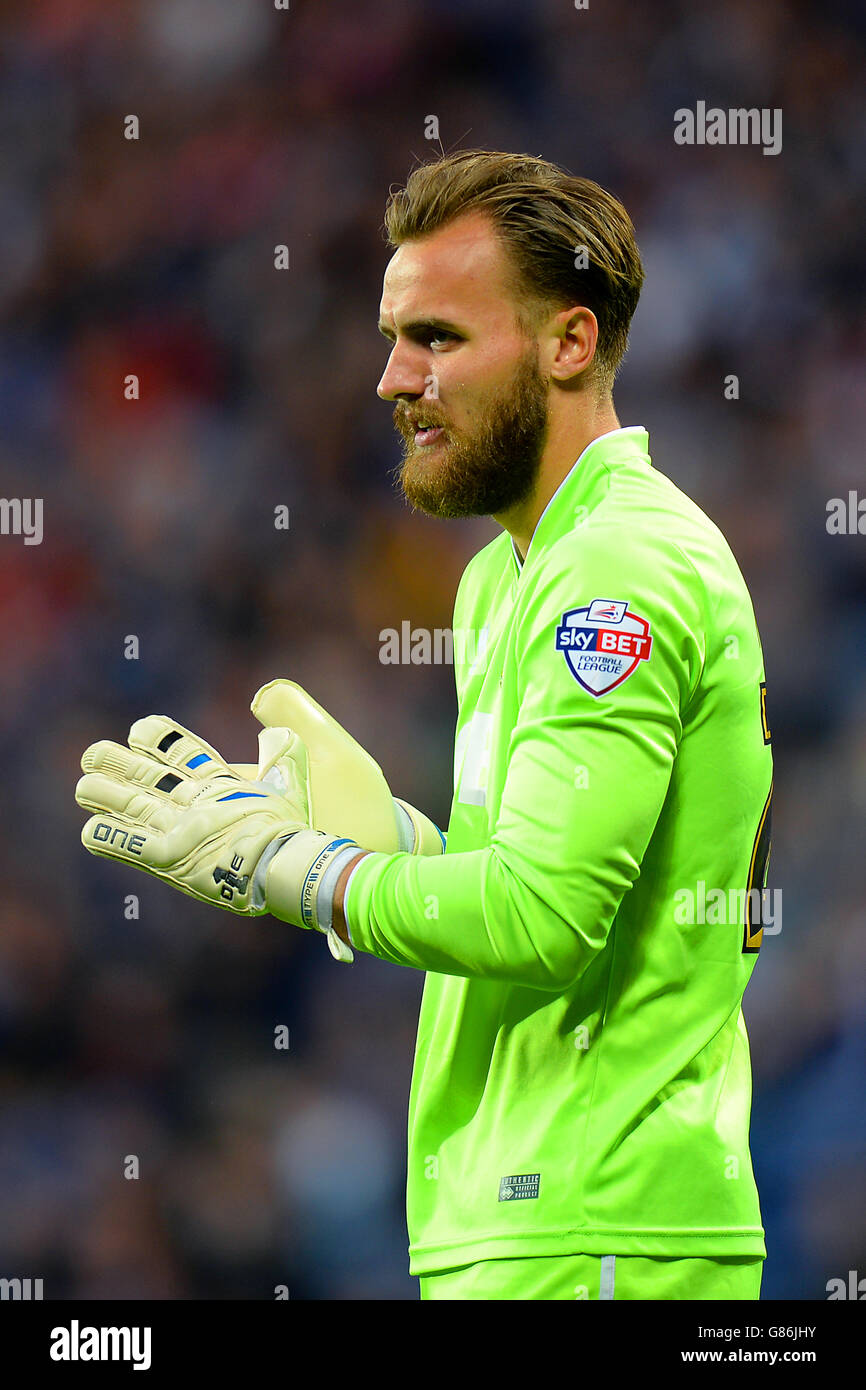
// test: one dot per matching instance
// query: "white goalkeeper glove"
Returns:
(348, 794)
(169, 804)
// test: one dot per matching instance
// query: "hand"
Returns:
(347, 791)
(168, 803)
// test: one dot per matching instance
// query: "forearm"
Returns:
(471, 915)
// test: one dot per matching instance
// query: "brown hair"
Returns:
(544, 216)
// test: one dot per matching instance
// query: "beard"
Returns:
(484, 472)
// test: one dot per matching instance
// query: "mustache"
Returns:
(408, 421)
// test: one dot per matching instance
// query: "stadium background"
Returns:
(155, 1036)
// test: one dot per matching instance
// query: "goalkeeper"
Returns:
(580, 1102)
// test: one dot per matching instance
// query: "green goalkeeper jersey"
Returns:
(582, 1078)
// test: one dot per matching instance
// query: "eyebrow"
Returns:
(422, 325)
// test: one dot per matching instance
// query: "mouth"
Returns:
(427, 434)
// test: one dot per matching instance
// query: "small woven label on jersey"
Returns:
(519, 1186)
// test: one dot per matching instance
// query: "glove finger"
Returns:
(114, 837)
(130, 841)
(153, 832)
(284, 750)
(126, 765)
(127, 768)
(284, 702)
(139, 806)
(170, 743)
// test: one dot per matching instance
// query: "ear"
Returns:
(577, 332)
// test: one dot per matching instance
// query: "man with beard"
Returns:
(579, 1113)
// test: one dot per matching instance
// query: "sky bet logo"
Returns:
(603, 643)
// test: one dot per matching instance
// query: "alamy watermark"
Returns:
(77, 1343)
(20, 1290)
(852, 1288)
(736, 126)
(22, 516)
(438, 646)
(846, 516)
(719, 907)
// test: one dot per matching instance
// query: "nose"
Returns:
(403, 375)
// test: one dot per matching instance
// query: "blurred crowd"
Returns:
(137, 1025)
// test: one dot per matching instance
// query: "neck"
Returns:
(565, 443)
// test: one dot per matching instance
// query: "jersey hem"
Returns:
(428, 1259)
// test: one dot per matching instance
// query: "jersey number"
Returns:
(753, 930)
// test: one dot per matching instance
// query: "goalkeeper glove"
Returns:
(168, 803)
(348, 793)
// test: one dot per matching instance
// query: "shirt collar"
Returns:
(627, 444)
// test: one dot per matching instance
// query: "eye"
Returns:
(439, 335)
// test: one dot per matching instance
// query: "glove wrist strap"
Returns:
(299, 879)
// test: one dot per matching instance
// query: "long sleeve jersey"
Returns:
(582, 1076)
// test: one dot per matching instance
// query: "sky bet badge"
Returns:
(603, 643)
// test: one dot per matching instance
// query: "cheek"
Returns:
(465, 391)
(468, 389)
